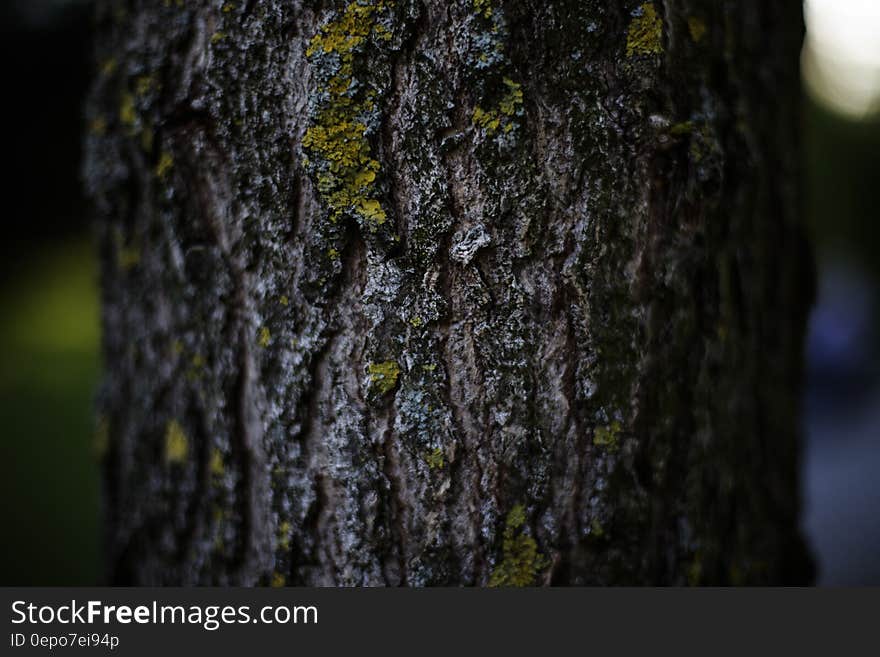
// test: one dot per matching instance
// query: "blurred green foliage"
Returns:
(48, 375)
(842, 185)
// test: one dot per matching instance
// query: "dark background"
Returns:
(49, 356)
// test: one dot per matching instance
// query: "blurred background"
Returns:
(49, 357)
(841, 74)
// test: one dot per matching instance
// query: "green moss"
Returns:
(341, 157)
(520, 561)
(383, 376)
(607, 437)
(278, 580)
(645, 34)
(416, 322)
(176, 443)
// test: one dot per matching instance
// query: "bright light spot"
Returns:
(841, 58)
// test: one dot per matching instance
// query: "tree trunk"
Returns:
(462, 292)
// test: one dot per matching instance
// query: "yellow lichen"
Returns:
(383, 376)
(284, 301)
(487, 120)
(217, 37)
(416, 322)
(483, 8)
(176, 443)
(166, 161)
(127, 112)
(216, 465)
(645, 35)
(284, 530)
(607, 436)
(147, 139)
(501, 116)
(520, 560)
(513, 99)
(697, 28)
(278, 580)
(144, 85)
(337, 138)
(681, 129)
(264, 337)
(434, 459)
(194, 373)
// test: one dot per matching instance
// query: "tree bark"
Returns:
(466, 292)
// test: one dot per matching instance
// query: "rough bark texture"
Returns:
(462, 292)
